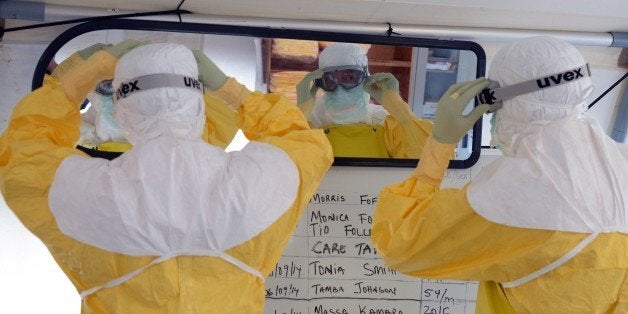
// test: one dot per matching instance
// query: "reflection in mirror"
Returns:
(372, 100)
(357, 123)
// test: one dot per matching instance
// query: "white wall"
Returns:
(31, 282)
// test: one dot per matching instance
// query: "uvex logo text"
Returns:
(556, 79)
(190, 82)
(126, 88)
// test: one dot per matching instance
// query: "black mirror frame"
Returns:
(184, 27)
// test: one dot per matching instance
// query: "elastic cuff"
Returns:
(434, 161)
(232, 92)
(396, 106)
(82, 79)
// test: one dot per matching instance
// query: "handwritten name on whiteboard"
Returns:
(331, 266)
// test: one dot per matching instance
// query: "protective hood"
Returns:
(560, 171)
(526, 60)
(172, 193)
(166, 111)
(342, 106)
(342, 54)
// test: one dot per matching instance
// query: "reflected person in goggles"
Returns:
(354, 126)
(346, 76)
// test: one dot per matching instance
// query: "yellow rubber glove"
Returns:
(208, 73)
(377, 83)
(450, 125)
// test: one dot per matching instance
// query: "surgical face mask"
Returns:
(344, 106)
(494, 136)
(494, 94)
(107, 128)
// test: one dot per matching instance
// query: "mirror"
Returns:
(269, 60)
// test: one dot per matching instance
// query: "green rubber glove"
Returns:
(450, 125)
(124, 47)
(377, 83)
(306, 91)
(62, 70)
(209, 74)
(89, 51)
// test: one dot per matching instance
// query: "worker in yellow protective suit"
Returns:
(174, 225)
(100, 131)
(544, 228)
(354, 126)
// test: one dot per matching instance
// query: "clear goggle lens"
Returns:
(347, 78)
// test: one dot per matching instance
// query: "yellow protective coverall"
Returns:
(43, 131)
(423, 231)
(402, 135)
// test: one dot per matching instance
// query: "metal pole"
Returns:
(55, 12)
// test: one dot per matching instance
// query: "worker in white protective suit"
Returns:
(354, 126)
(174, 225)
(545, 227)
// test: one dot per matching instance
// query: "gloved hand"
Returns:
(450, 125)
(80, 73)
(377, 83)
(77, 59)
(208, 73)
(89, 51)
(124, 47)
(306, 91)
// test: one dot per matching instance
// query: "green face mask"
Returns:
(107, 127)
(494, 136)
(346, 106)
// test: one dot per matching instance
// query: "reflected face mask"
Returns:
(494, 94)
(347, 76)
(345, 106)
(102, 100)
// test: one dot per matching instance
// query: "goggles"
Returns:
(105, 88)
(347, 76)
(494, 94)
(152, 81)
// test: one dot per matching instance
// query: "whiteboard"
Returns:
(330, 265)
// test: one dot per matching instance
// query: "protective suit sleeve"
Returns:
(423, 231)
(221, 125)
(405, 134)
(42, 131)
(307, 107)
(273, 119)
(232, 92)
(78, 77)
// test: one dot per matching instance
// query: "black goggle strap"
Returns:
(492, 96)
(153, 81)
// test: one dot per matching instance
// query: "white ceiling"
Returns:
(564, 15)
